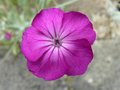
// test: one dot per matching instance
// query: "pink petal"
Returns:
(78, 54)
(77, 25)
(52, 65)
(34, 44)
(49, 20)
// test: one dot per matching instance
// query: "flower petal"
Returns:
(50, 20)
(78, 54)
(34, 44)
(51, 67)
(77, 25)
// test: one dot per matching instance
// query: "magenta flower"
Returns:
(8, 35)
(58, 43)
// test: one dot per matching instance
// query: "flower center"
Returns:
(57, 43)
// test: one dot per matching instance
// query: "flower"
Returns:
(8, 35)
(58, 43)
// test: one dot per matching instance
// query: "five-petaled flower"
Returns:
(58, 43)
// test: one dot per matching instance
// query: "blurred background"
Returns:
(104, 71)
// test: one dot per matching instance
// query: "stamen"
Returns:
(57, 42)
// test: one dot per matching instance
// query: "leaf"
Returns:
(66, 4)
(49, 1)
(15, 49)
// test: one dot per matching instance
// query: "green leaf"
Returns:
(66, 4)
(15, 49)
(49, 1)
